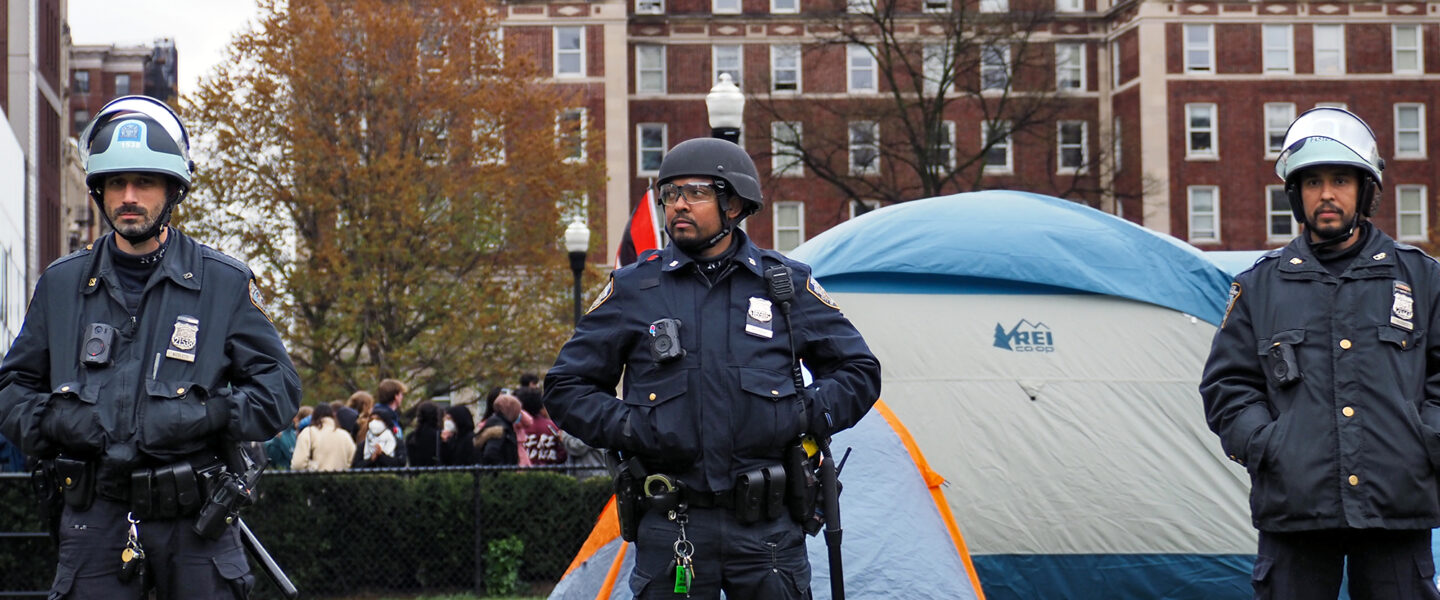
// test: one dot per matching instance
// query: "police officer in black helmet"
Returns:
(144, 359)
(709, 406)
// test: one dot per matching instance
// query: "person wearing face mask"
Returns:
(1323, 381)
(458, 434)
(381, 448)
(706, 335)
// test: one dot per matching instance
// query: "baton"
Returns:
(267, 564)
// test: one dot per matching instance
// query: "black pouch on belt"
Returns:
(187, 489)
(774, 491)
(163, 504)
(77, 481)
(749, 496)
(142, 490)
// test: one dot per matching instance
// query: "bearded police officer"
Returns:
(710, 406)
(1323, 382)
(143, 360)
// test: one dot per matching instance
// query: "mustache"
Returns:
(130, 209)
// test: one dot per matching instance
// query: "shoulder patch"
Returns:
(258, 300)
(1229, 306)
(819, 292)
(604, 294)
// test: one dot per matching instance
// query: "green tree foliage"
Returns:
(393, 174)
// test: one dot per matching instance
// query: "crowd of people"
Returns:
(512, 428)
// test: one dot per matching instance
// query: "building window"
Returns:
(860, 207)
(649, 7)
(784, 7)
(994, 67)
(861, 71)
(569, 51)
(1410, 211)
(1200, 132)
(994, 6)
(864, 148)
(785, 68)
(936, 59)
(570, 134)
(936, 6)
(1199, 49)
(860, 7)
(1070, 6)
(995, 140)
(785, 156)
(1329, 49)
(1204, 213)
(1278, 52)
(1278, 116)
(1409, 130)
(1279, 220)
(1070, 67)
(82, 118)
(488, 137)
(1406, 55)
(789, 225)
(649, 148)
(1116, 143)
(122, 85)
(727, 59)
(81, 82)
(725, 7)
(1115, 64)
(1072, 149)
(1339, 105)
(649, 69)
(943, 149)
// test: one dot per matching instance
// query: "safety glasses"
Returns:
(694, 193)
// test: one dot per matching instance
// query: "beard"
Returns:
(1334, 229)
(129, 229)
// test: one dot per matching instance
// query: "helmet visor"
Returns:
(143, 105)
(1333, 124)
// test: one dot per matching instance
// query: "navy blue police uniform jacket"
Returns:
(1355, 441)
(729, 405)
(199, 363)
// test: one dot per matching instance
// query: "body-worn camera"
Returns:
(665, 340)
(1284, 369)
(99, 338)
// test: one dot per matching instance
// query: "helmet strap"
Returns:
(155, 228)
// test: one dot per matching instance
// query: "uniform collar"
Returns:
(747, 255)
(181, 263)
(1377, 253)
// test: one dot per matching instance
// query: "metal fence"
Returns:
(484, 530)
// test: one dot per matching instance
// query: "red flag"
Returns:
(642, 232)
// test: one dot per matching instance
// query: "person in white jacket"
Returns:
(323, 446)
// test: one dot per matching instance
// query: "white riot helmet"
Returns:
(137, 134)
(1331, 136)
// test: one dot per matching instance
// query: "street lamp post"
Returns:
(577, 241)
(726, 106)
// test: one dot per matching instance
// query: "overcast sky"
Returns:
(201, 28)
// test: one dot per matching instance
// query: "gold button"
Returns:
(774, 392)
(69, 482)
(1354, 480)
(180, 390)
(64, 388)
(1296, 261)
(1344, 344)
(1347, 411)
(652, 397)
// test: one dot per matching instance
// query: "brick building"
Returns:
(1166, 113)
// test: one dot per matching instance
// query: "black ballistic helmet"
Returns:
(721, 159)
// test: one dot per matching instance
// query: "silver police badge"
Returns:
(182, 340)
(758, 317)
(1403, 310)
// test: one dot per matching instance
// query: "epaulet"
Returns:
(648, 255)
(86, 251)
(1271, 254)
(221, 257)
(1408, 247)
